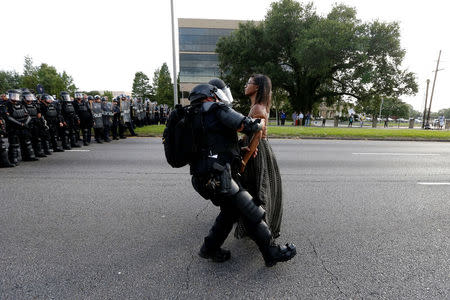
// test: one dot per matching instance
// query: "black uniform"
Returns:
(18, 122)
(85, 116)
(215, 177)
(115, 120)
(107, 115)
(52, 115)
(33, 109)
(4, 160)
(71, 120)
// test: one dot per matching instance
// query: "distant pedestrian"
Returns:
(283, 117)
(386, 122)
(300, 119)
(350, 121)
(308, 119)
(324, 120)
(294, 118)
(441, 122)
(362, 118)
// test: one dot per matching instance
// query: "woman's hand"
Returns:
(246, 149)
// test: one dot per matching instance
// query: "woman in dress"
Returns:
(261, 176)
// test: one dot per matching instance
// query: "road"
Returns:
(370, 220)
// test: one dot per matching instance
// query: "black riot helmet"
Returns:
(103, 98)
(28, 96)
(65, 96)
(224, 92)
(47, 98)
(78, 95)
(97, 97)
(14, 95)
(202, 91)
(90, 98)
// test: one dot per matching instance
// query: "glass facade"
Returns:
(199, 64)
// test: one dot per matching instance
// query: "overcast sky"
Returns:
(101, 44)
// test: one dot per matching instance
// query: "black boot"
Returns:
(271, 252)
(66, 143)
(55, 146)
(29, 152)
(74, 141)
(216, 237)
(13, 153)
(85, 137)
(4, 161)
(46, 147)
(37, 146)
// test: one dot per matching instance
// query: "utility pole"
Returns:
(175, 87)
(432, 89)
(425, 107)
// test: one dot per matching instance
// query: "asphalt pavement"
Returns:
(370, 220)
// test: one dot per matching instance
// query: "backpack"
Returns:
(181, 144)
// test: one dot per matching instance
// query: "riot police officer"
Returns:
(54, 121)
(4, 160)
(85, 116)
(98, 119)
(33, 108)
(116, 119)
(215, 177)
(18, 121)
(107, 115)
(125, 115)
(71, 122)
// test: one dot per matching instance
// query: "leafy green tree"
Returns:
(163, 87)
(317, 58)
(445, 112)
(141, 86)
(9, 80)
(108, 94)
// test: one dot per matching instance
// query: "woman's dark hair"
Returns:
(264, 93)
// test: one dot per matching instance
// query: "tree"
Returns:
(46, 75)
(108, 94)
(316, 58)
(141, 86)
(445, 112)
(9, 80)
(163, 87)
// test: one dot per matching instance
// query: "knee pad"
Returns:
(243, 201)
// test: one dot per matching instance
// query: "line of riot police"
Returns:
(37, 126)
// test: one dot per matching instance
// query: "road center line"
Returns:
(396, 154)
(434, 183)
(77, 150)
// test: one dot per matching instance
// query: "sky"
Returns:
(103, 43)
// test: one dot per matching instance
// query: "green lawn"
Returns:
(331, 132)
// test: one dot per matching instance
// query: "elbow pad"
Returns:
(229, 117)
(251, 126)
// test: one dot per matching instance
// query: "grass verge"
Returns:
(332, 132)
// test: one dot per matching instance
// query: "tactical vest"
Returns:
(52, 112)
(32, 110)
(19, 112)
(68, 107)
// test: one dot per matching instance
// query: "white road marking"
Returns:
(396, 154)
(434, 183)
(77, 150)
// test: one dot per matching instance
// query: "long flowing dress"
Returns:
(262, 179)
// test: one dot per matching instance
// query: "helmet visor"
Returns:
(222, 97)
(227, 92)
(78, 95)
(14, 96)
(66, 97)
(29, 97)
(49, 98)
